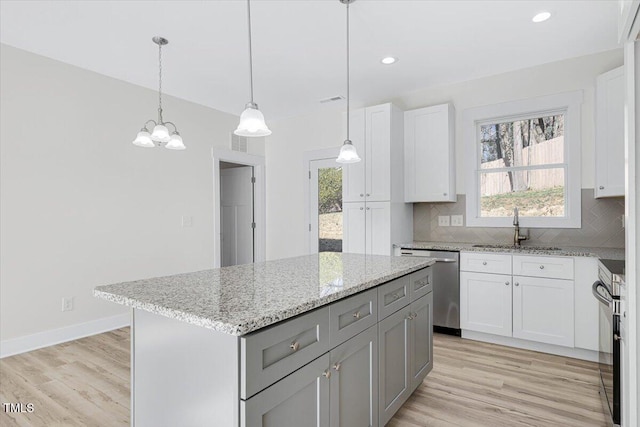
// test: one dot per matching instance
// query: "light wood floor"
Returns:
(86, 383)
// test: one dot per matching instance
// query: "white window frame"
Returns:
(568, 104)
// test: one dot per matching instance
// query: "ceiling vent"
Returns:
(331, 99)
(239, 143)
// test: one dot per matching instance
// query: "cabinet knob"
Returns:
(295, 346)
(357, 315)
(327, 374)
(396, 296)
(506, 283)
(444, 194)
(361, 194)
(414, 315)
(368, 208)
(484, 262)
(517, 284)
(361, 209)
(368, 194)
(337, 366)
(542, 267)
(617, 337)
(601, 187)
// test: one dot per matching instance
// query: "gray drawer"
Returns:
(421, 283)
(272, 353)
(353, 315)
(393, 296)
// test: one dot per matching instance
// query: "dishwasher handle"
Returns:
(601, 298)
(446, 260)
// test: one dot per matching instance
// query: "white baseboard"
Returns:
(576, 353)
(26, 343)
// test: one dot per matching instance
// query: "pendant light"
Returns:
(160, 134)
(348, 153)
(251, 120)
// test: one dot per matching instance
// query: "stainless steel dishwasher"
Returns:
(446, 288)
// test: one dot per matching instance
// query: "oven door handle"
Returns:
(594, 289)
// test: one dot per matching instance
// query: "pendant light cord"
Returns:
(347, 71)
(250, 51)
(159, 84)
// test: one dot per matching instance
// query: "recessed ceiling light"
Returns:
(388, 60)
(542, 16)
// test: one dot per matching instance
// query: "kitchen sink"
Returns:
(535, 248)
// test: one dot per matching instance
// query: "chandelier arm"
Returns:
(150, 121)
(175, 128)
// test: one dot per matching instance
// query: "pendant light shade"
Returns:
(348, 152)
(160, 134)
(144, 139)
(252, 122)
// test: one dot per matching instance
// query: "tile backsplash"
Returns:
(601, 225)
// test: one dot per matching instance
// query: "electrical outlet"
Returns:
(187, 221)
(67, 303)
(457, 220)
(443, 221)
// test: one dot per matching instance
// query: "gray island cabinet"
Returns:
(321, 340)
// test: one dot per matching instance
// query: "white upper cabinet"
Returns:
(609, 180)
(429, 156)
(353, 173)
(376, 132)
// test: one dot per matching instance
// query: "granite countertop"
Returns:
(241, 299)
(604, 253)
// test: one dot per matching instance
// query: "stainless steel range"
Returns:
(607, 292)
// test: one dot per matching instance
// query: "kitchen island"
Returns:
(317, 340)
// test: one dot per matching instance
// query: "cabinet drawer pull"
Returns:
(395, 296)
(337, 366)
(357, 315)
(414, 315)
(506, 283)
(361, 194)
(542, 267)
(484, 262)
(601, 187)
(327, 374)
(295, 346)
(368, 194)
(517, 284)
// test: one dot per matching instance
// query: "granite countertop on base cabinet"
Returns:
(604, 253)
(244, 298)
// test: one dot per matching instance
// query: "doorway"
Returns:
(236, 214)
(325, 206)
(239, 208)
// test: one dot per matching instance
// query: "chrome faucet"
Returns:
(517, 238)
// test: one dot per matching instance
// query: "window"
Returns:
(524, 154)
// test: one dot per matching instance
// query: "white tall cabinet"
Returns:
(374, 212)
(610, 134)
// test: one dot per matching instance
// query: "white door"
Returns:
(236, 214)
(353, 174)
(325, 198)
(543, 310)
(378, 228)
(485, 303)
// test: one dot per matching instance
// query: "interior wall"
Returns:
(81, 205)
(293, 136)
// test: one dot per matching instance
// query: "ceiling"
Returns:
(299, 45)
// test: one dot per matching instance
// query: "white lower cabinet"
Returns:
(543, 310)
(538, 306)
(486, 303)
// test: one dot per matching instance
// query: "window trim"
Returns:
(569, 104)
